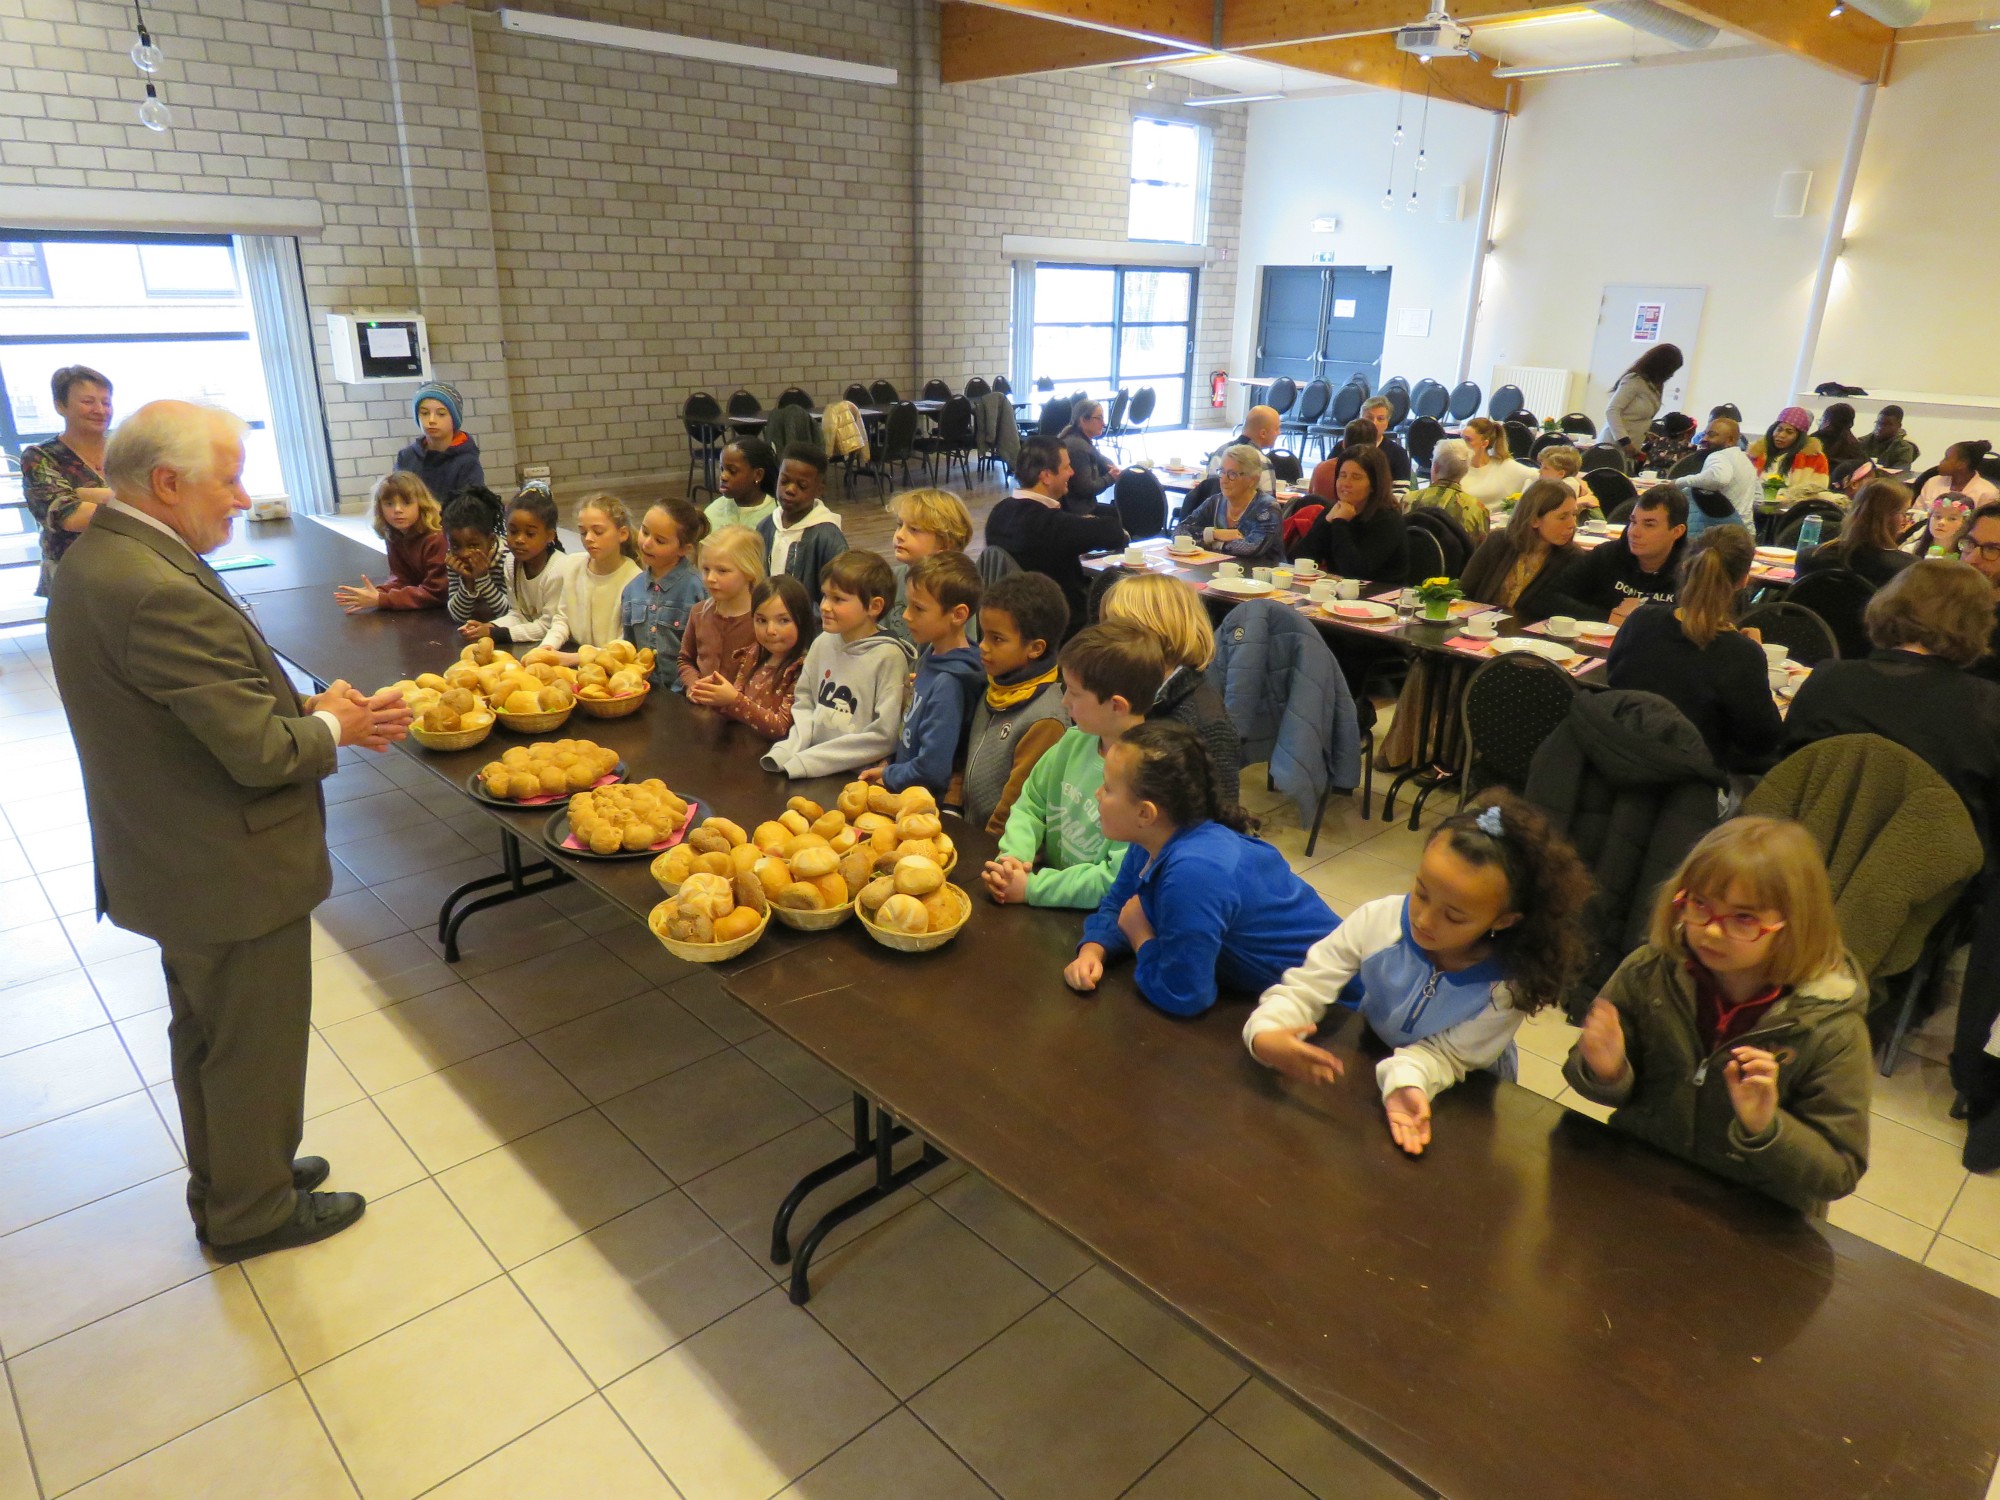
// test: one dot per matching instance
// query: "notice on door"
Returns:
(1646, 323)
(1343, 307)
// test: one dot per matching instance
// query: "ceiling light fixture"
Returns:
(1540, 70)
(1151, 79)
(1214, 99)
(1839, 10)
(668, 44)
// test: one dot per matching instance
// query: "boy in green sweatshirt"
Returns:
(1053, 853)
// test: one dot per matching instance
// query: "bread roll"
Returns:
(856, 870)
(920, 849)
(739, 923)
(876, 891)
(715, 864)
(889, 804)
(832, 890)
(743, 857)
(814, 861)
(707, 841)
(903, 914)
(710, 895)
(918, 799)
(749, 893)
(773, 874)
(604, 839)
(640, 836)
(553, 782)
(854, 798)
(691, 927)
(826, 825)
(523, 701)
(771, 837)
(942, 907)
(796, 822)
(804, 841)
(806, 808)
(842, 841)
(920, 825)
(674, 867)
(731, 831)
(801, 895)
(917, 876)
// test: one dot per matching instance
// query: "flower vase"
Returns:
(1441, 610)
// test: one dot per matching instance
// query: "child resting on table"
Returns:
(761, 693)
(1198, 903)
(408, 519)
(848, 707)
(1054, 852)
(537, 567)
(592, 609)
(721, 634)
(658, 601)
(1486, 937)
(474, 586)
(1737, 1036)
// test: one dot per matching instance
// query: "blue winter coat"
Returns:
(1288, 699)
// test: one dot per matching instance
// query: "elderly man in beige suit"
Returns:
(201, 770)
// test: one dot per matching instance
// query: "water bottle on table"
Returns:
(1809, 533)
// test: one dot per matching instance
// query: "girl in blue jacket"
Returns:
(1197, 902)
(1487, 936)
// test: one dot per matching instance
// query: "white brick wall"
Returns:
(594, 233)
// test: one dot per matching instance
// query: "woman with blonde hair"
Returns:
(1737, 1036)
(1172, 612)
(1691, 653)
(1496, 475)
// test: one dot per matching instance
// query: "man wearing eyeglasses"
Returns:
(1980, 546)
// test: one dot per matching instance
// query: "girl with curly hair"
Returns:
(1486, 937)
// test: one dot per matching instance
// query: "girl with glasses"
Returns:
(1737, 1036)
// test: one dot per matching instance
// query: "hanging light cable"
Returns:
(147, 57)
(1395, 141)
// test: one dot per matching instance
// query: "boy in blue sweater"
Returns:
(943, 592)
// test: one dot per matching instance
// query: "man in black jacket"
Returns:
(1615, 578)
(1980, 547)
(1032, 526)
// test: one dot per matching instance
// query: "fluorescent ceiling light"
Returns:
(1539, 69)
(1231, 99)
(667, 44)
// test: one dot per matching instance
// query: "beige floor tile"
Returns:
(1919, 1095)
(1538, 1074)
(411, 1252)
(1547, 1034)
(17, 1475)
(1168, 1347)
(81, 1157)
(897, 1456)
(52, 810)
(749, 1403)
(416, 898)
(1355, 876)
(1879, 1226)
(694, 1120)
(353, 983)
(528, 1197)
(1959, 1260)
(72, 890)
(47, 1009)
(130, 986)
(163, 1368)
(1571, 1099)
(1307, 1450)
(744, 1194)
(1045, 1254)
(552, 988)
(639, 1285)
(615, 1050)
(329, 1086)
(145, 1039)
(634, 944)
(378, 861)
(355, 779)
(412, 1408)
(483, 1102)
(705, 999)
(1975, 1218)
(363, 1150)
(80, 1266)
(798, 1070)
(352, 819)
(392, 1046)
(502, 936)
(351, 921)
(268, 1448)
(1052, 1408)
(918, 1295)
(1911, 1173)
(1213, 1462)
(585, 1452)
(1341, 830)
(97, 940)
(22, 903)
(35, 951)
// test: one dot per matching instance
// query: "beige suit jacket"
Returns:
(201, 767)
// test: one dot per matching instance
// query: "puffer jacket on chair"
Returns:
(1289, 702)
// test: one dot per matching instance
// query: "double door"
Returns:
(1322, 321)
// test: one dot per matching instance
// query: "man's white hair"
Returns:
(183, 436)
(1449, 461)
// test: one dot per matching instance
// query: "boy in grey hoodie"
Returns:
(848, 707)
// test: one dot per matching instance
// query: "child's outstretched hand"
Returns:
(1603, 1041)
(1085, 969)
(1294, 1055)
(1752, 1076)
(873, 774)
(1409, 1112)
(1006, 880)
(474, 630)
(355, 597)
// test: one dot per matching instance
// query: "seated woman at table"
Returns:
(1736, 1037)
(1788, 447)
(1449, 462)
(1691, 653)
(1867, 540)
(1175, 615)
(1518, 569)
(1199, 903)
(1486, 937)
(1237, 519)
(1927, 625)
(1496, 475)
(1091, 473)
(1362, 534)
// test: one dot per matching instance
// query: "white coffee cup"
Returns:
(1262, 575)
(1482, 627)
(1320, 590)
(1348, 588)
(1182, 542)
(1281, 578)
(1135, 556)
(1229, 570)
(1774, 656)
(1563, 626)
(1306, 567)
(1779, 677)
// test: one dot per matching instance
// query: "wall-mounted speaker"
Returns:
(1793, 189)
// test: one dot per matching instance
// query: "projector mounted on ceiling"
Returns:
(1437, 35)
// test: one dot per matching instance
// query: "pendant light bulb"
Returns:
(1388, 197)
(1412, 204)
(1422, 162)
(153, 114)
(1398, 140)
(145, 56)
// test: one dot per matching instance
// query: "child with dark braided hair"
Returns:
(1486, 937)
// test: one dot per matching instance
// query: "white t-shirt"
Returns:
(590, 604)
(1492, 483)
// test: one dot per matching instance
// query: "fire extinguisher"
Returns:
(1218, 386)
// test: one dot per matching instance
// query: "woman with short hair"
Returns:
(63, 479)
(1091, 473)
(1238, 518)
(1449, 462)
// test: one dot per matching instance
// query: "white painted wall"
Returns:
(1308, 158)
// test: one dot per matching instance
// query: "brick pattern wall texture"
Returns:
(592, 233)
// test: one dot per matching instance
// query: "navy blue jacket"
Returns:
(948, 687)
(444, 474)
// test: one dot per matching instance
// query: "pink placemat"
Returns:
(687, 823)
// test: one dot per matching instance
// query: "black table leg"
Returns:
(514, 877)
(878, 1146)
(1428, 769)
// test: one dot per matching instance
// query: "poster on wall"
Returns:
(1646, 323)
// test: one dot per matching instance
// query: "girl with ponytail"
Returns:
(1691, 653)
(1198, 902)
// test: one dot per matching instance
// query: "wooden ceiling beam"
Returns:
(978, 42)
(1266, 23)
(1850, 43)
(1374, 60)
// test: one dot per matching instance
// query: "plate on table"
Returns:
(556, 834)
(1778, 554)
(1241, 588)
(1535, 646)
(1596, 630)
(477, 788)
(1357, 609)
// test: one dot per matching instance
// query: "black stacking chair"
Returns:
(881, 393)
(1809, 638)
(794, 396)
(936, 390)
(1839, 596)
(1464, 400)
(703, 420)
(1511, 705)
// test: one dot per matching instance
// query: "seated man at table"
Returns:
(1613, 579)
(1377, 411)
(1260, 431)
(1980, 547)
(1035, 530)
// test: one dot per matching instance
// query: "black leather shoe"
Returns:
(308, 1172)
(319, 1216)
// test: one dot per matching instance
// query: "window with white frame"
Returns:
(1168, 187)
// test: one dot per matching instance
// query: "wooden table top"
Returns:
(303, 553)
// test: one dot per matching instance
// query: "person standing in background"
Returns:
(63, 479)
(441, 454)
(1636, 398)
(201, 771)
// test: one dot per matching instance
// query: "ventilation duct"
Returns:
(1670, 25)
(1895, 14)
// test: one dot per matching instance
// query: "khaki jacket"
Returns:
(1678, 1099)
(201, 767)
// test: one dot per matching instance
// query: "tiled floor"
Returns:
(572, 1144)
